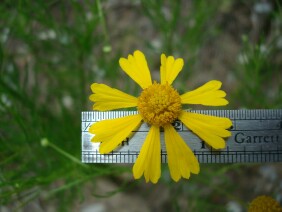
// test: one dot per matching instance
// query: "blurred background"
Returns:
(51, 52)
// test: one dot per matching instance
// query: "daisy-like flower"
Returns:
(264, 203)
(159, 105)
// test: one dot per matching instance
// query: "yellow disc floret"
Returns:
(264, 203)
(159, 104)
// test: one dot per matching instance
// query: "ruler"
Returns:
(256, 138)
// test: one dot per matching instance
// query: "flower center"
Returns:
(159, 104)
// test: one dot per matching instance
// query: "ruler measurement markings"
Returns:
(268, 121)
(261, 153)
(86, 127)
(261, 114)
(278, 125)
(255, 156)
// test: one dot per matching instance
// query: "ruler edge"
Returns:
(273, 113)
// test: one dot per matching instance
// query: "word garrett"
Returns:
(243, 138)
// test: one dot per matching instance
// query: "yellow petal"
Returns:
(181, 160)
(149, 159)
(136, 67)
(208, 94)
(170, 68)
(107, 98)
(211, 129)
(112, 132)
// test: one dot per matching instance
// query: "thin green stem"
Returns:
(107, 46)
(45, 142)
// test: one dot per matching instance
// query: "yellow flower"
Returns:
(159, 105)
(264, 204)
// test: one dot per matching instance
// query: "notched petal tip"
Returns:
(154, 181)
(94, 86)
(138, 53)
(180, 62)
(219, 145)
(221, 101)
(175, 178)
(104, 148)
(108, 98)
(196, 170)
(211, 129)
(92, 128)
(94, 140)
(181, 160)
(208, 94)
(216, 83)
(136, 174)
(229, 123)
(148, 162)
(112, 132)
(170, 68)
(136, 67)
(122, 62)
(99, 108)
(91, 97)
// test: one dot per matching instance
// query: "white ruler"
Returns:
(256, 138)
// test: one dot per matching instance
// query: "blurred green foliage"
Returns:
(51, 52)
